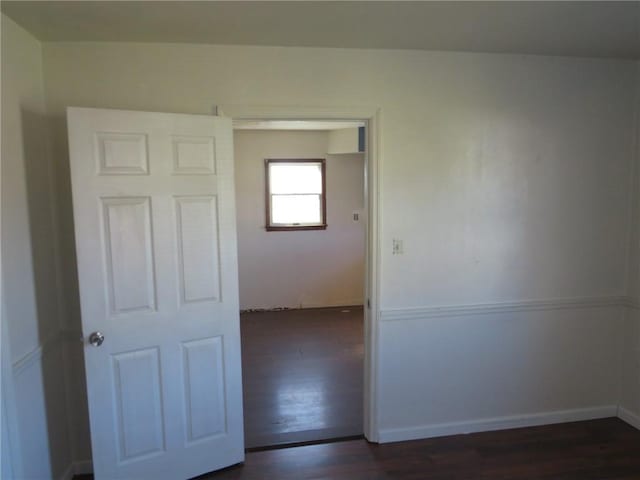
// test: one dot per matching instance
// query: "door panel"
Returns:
(197, 223)
(122, 153)
(194, 155)
(128, 253)
(140, 429)
(157, 264)
(204, 388)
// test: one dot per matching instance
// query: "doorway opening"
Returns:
(302, 223)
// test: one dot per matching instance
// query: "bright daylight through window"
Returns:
(295, 191)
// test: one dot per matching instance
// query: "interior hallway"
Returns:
(302, 375)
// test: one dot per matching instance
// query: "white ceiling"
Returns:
(591, 29)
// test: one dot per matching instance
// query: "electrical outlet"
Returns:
(397, 247)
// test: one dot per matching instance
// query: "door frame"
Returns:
(372, 117)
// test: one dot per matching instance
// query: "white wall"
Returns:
(630, 396)
(31, 303)
(492, 167)
(316, 268)
(343, 140)
(6, 453)
(506, 176)
(10, 458)
(630, 401)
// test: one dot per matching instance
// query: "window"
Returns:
(295, 192)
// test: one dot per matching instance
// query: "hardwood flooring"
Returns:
(606, 449)
(302, 375)
(593, 450)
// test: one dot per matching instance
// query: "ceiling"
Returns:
(589, 29)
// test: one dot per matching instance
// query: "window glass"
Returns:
(295, 209)
(291, 178)
(295, 194)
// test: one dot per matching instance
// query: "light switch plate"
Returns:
(397, 247)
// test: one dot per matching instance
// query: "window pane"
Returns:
(290, 209)
(290, 178)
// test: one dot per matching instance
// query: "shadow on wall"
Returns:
(45, 406)
(72, 323)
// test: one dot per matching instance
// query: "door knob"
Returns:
(96, 339)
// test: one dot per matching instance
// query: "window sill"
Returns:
(291, 228)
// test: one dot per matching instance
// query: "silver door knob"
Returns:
(96, 339)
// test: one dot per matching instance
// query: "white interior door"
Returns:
(153, 197)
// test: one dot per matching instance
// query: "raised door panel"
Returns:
(121, 153)
(128, 254)
(138, 403)
(193, 155)
(198, 249)
(204, 389)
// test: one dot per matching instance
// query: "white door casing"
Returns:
(373, 152)
(154, 212)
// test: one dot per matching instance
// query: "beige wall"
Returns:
(31, 294)
(631, 353)
(493, 202)
(507, 177)
(26, 193)
(634, 265)
(318, 268)
(343, 140)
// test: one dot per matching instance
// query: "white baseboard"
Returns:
(350, 302)
(628, 416)
(497, 423)
(77, 468)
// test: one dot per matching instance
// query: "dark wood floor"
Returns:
(606, 449)
(594, 450)
(302, 375)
